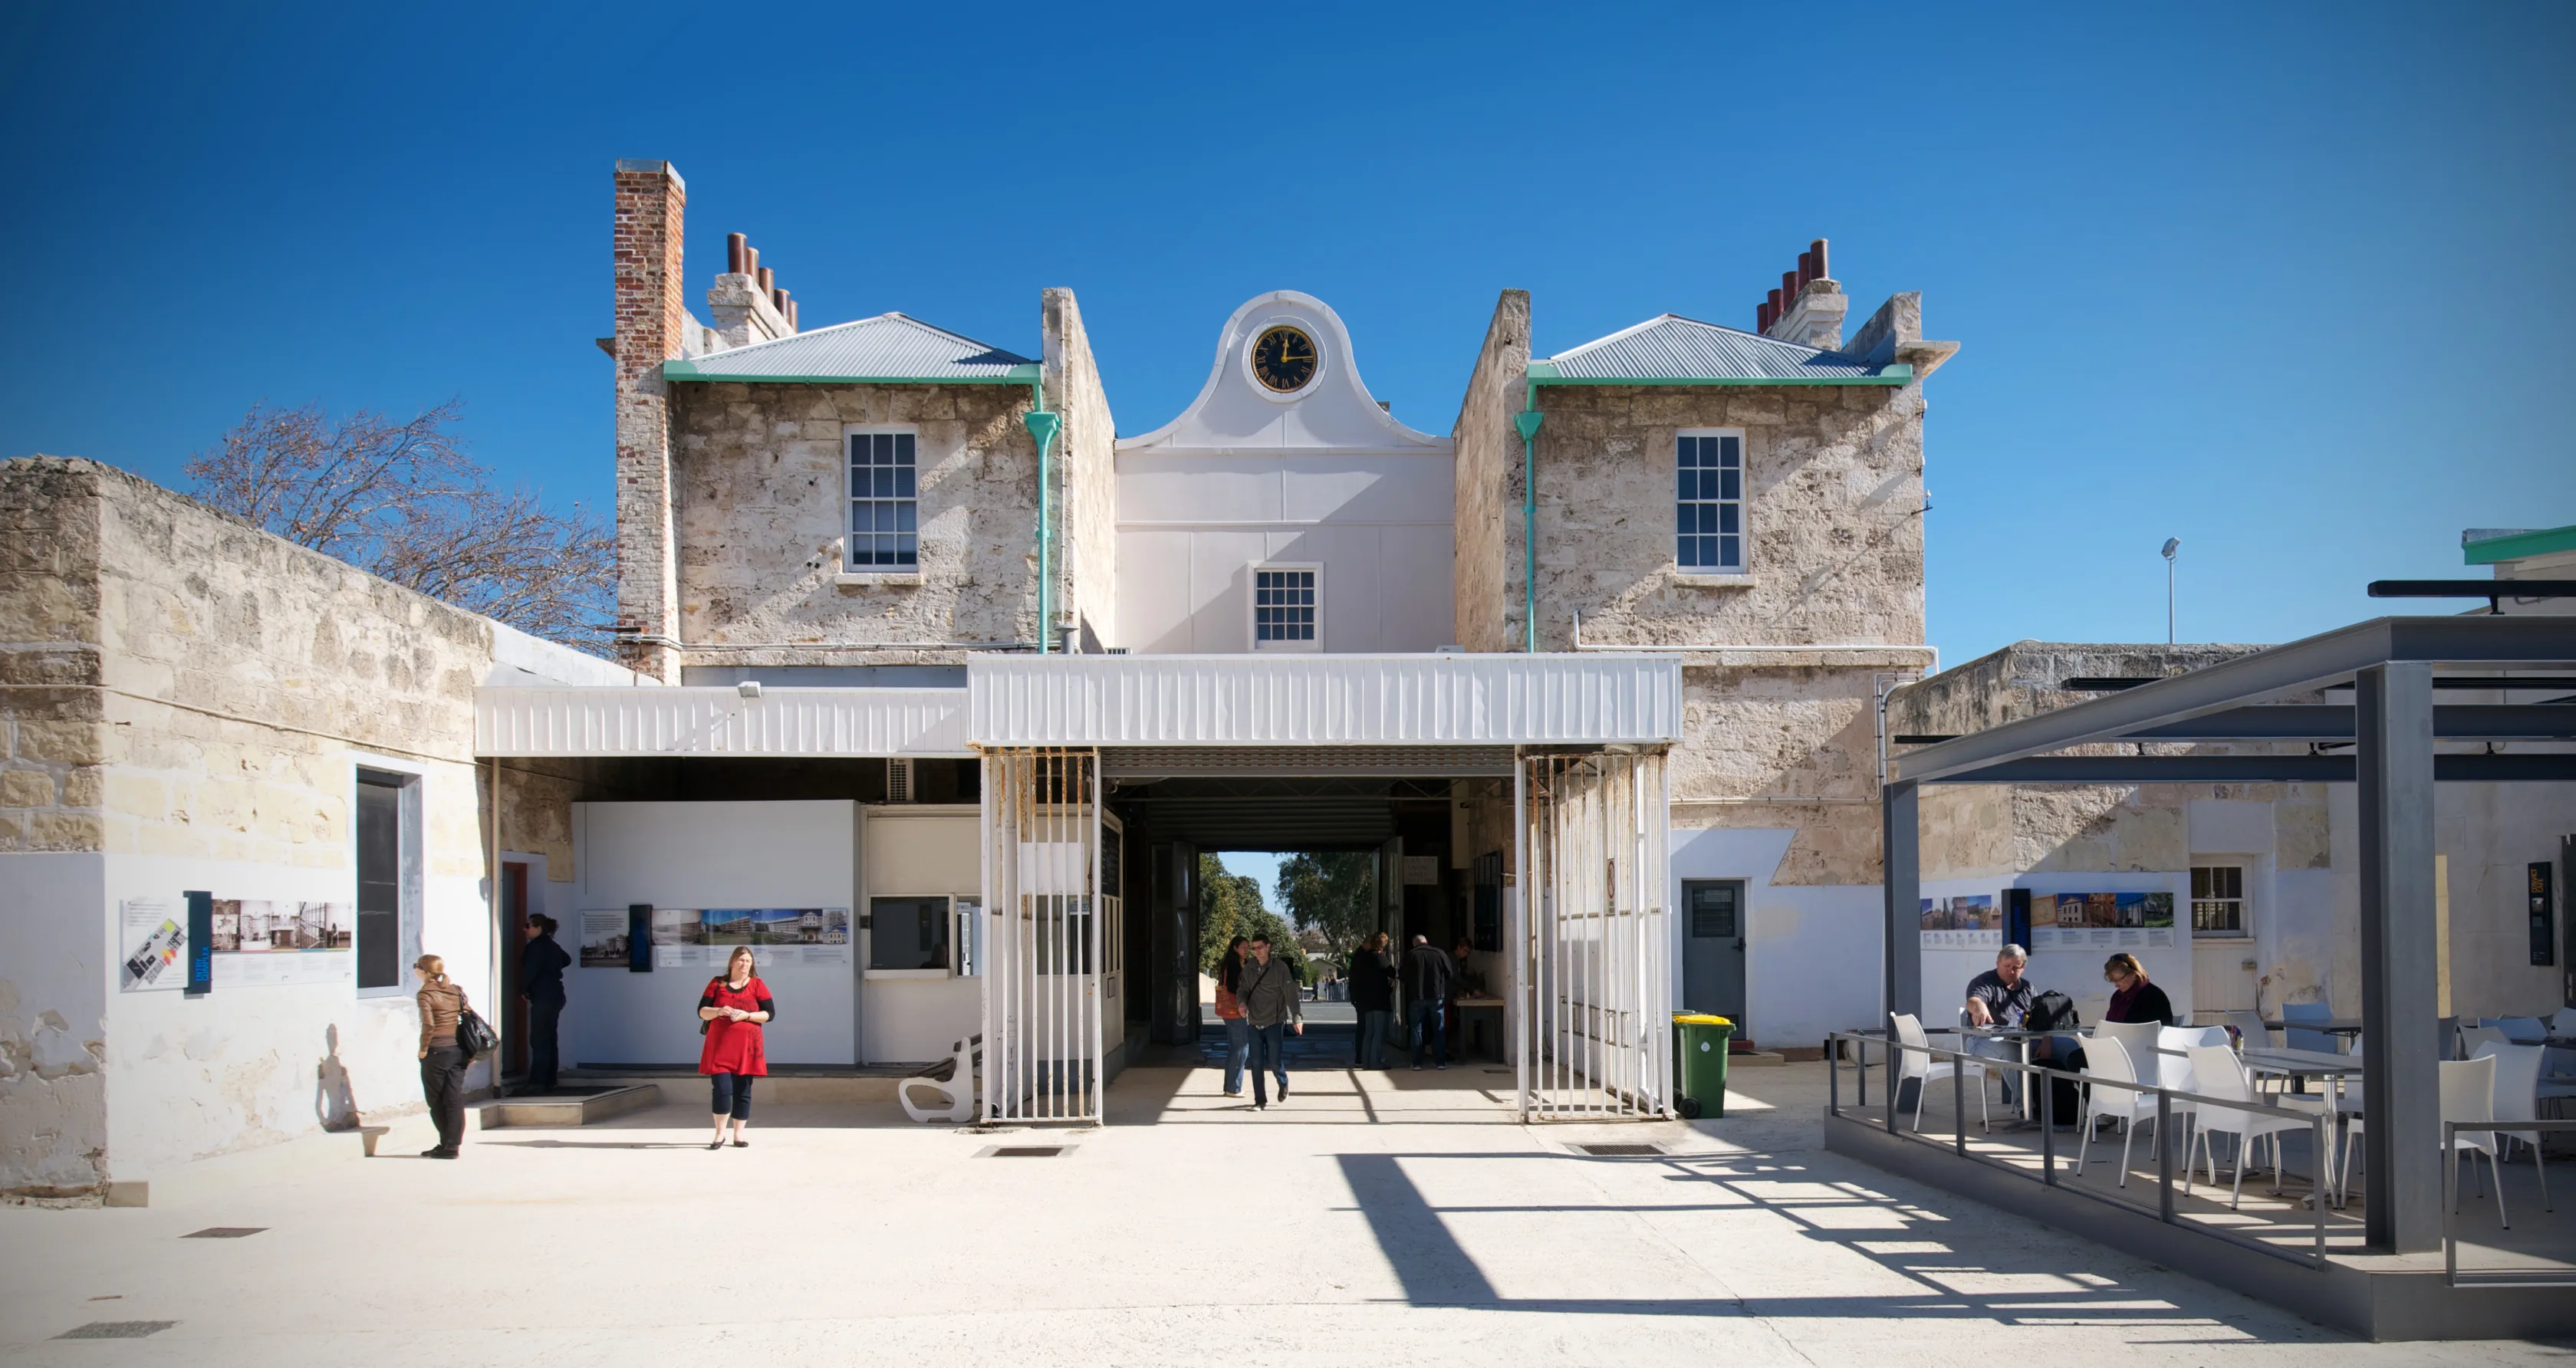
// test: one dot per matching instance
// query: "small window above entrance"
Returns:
(1286, 608)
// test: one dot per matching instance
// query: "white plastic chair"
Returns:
(2222, 1079)
(2471, 1037)
(2249, 1028)
(956, 1094)
(2517, 1098)
(2173, 1064)
(2108, 1060)
(2468, 1095)
(2349, 1109)
(2520, 1030)
(1917, 1064)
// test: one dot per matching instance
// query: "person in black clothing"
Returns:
(2134, 999)
(1427, 972)
(1373, 997)
(541, 982)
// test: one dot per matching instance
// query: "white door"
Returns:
(1044, 951)
(1597, 965)
(2223, 956)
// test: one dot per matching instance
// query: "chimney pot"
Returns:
(778, 301)
(791, 315)
(735, 245)
(1806, 268)
(1762, 317)
(1788, 290)
(1817, 249)
(750, 259)
(764, 280)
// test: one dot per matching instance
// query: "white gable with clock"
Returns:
(1285, 510)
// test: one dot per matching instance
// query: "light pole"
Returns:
(2172, 544)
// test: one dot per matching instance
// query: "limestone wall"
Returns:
(1487, 566)
(208, 692)
(1834, 497)
(762, 510)
(1087, 582)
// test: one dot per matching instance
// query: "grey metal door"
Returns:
(1713, 947)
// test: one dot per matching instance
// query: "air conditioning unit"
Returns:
(899, 780)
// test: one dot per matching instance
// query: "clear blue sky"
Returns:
(2281, 281)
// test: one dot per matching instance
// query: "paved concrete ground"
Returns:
(1379, 1219)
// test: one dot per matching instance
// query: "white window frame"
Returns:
(1251, 608)
(1743, 502)
(2244, 898)
(851, 570)
(867, 964)
(412, 890)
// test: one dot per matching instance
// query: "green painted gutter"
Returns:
(2519, 545)
(1023, 374)
(1043, 426)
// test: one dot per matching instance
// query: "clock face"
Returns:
(1283, 359)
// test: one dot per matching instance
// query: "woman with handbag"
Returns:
(731, 1013)
(442, 1059)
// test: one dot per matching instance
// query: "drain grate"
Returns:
(222, 1232)
(116, 1330)
(1027, 1151)
(1619, 1151)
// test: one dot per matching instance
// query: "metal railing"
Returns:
(2318, 1124)
(2562, 1276)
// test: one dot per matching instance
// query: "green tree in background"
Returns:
(1335, 894)
(1229, 906)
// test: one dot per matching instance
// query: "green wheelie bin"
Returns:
(1699, 1063)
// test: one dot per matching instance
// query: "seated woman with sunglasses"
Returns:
(2132, 997)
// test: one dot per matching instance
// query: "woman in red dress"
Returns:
(733, 1008)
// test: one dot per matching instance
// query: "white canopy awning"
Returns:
(1121, 701)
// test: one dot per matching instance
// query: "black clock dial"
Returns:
(1284, 359)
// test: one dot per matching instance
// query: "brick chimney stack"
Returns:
(1808, 307)
(651, 201)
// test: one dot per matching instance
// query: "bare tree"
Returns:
(405, 501)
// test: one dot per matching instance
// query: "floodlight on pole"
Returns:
(2172, 544)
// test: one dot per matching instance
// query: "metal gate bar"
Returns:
(1041, 989)
(1597, 957)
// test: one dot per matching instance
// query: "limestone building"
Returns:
(933, 685)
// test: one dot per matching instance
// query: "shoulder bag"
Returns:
(474, 1035)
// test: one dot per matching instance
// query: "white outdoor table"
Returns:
(2022, 1037)
(2306, 1064)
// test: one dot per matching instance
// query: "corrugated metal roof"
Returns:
(686, 721)
(1331, 700)
(886, 347)
(1674, 348)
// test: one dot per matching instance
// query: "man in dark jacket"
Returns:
(1272, 1005)
(541, 982)
(1373, 998)
(1427, 972)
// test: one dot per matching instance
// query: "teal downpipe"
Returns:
(1043, 426)
(1527, 421)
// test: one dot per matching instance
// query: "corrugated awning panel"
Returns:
(1344, 700)
(685, 721)
(1397, 762)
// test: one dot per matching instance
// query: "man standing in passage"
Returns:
(1427, 972)
(1271, 1004)
(541, 982)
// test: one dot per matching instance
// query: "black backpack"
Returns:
(2051, 1011)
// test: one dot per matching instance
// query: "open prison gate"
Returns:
(1596, 1016)
(1043, 952)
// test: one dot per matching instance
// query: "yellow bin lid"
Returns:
(1701, 1019)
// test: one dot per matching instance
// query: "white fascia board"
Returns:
(719, 721)
(1325, 700)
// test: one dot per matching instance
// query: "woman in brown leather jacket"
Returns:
(442, 1064)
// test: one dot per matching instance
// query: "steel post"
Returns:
(1901, 852)
(2393, 705)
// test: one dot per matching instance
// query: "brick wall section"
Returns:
(651, 202)
(759, 493)
(1487, 576)
(1087, 448)
(52, 723)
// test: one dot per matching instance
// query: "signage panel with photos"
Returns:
(2101, 921)
(251, 942)
(704, 938)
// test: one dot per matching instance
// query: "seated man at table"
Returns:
(2001, 996)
